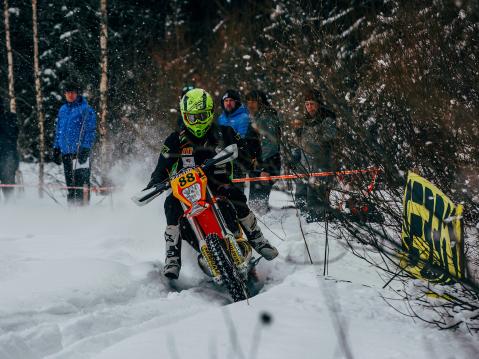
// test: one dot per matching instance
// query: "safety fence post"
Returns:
(86, 193)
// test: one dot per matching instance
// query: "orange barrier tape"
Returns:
(374, 171)
(304, 175)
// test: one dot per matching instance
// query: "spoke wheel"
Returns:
(231, 278)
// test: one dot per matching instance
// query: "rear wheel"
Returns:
(230, 276)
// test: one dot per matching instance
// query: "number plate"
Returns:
(186, 179)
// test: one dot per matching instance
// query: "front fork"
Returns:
(239, 249)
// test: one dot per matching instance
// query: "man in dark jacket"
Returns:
(314, 151)
(74, 138)
(198, 141)
(236, 115)
(266, 123)
(9, 159)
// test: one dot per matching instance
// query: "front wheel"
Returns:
(230, 276)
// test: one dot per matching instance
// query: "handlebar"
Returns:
(146, 197)
(151, 193)
(213, 161)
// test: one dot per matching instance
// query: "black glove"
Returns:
(57, 156)
(83, 155)
(151, 184)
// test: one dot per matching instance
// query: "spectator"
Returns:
(315, 139)
(74, 138)
(236, 115)
(9, 159)
(266, 123)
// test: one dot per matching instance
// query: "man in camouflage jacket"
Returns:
(314, 151)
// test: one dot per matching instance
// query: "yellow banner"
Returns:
(432, 233)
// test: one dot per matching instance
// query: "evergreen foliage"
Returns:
(402, 77)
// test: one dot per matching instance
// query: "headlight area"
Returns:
(192, 193)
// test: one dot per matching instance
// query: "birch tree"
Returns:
(103, 86)
(11, 78)
(39, 96)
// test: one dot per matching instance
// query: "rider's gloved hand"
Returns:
(151, 184)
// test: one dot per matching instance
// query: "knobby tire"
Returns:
(224, 262)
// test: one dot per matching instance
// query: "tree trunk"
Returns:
(104, 150)
(11, 78)
(39, 97)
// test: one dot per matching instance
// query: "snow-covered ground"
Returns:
(87, 283)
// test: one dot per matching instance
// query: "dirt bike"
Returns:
(210, 225)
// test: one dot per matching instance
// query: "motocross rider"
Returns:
(198, 140)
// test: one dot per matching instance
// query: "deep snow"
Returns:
(86, 283)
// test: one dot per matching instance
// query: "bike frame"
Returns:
(190, 187)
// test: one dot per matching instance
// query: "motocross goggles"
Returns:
(194, 118)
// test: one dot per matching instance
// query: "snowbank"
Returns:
(87, 283)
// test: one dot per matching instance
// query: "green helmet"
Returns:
(197, 111)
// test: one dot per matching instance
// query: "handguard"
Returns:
(149, 194)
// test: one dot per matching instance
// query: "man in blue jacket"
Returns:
(74, 138)
(236, 115)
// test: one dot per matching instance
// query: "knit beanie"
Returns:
(71, 86)
(312, 94)
(233, 94)
(259, 96)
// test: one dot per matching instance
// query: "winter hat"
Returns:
(233, 94)
(259, 96)
(71, 86)
(312, 94)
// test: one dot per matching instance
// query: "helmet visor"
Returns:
(194, 118)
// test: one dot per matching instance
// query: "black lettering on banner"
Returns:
(427, 236)
(415, 231)
(439, 209)
(417, 193)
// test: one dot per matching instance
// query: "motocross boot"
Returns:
(256, 238)
(173, 252)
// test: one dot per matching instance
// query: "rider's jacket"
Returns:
(182, 149)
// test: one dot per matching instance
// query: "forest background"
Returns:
(402, 76)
